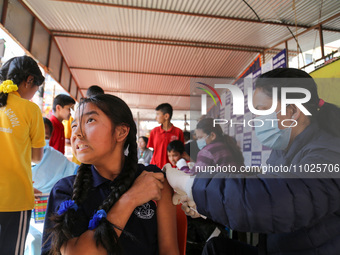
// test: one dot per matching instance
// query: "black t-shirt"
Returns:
(140, 232)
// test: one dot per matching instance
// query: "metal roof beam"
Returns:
(282, 23)
(147, 94)
(156, 41)
(149, 73)
(178, 43)
(307, 30)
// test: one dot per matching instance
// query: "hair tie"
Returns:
(97, 217)
(8, 86)
(321, 103)
(66, 205)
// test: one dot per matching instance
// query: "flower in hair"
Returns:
(97, 217)
(8, 86)
(66, 205)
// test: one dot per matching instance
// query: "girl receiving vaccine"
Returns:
(113, 205)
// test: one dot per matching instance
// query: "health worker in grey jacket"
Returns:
(296, 210)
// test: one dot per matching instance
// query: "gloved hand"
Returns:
(179, 181)
(176, 198)
(181, 163)
(182, 184)
(188, 206)
(183, 166)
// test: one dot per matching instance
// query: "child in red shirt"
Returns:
(161, 136)
(62, 105)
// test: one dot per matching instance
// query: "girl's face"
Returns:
(92, 138)
(141, 143)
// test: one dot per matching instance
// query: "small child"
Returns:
(62, 105)
(175, 155)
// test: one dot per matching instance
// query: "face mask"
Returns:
(270, 135)
(201, 143)
(47, 141)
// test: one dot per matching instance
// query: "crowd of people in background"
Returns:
(114, 197)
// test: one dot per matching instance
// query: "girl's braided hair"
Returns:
(105, 235)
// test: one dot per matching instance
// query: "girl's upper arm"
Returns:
(167, 223)
(37, 154)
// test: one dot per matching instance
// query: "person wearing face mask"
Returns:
(215, 146)
(296, 212)
(270, 134)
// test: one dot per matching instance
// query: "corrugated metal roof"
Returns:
(136, 23)
(335, 23)
(139, 57)
(306, 11)
(149, 49)
(65, 16)
(138, 83)
(311, 40)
